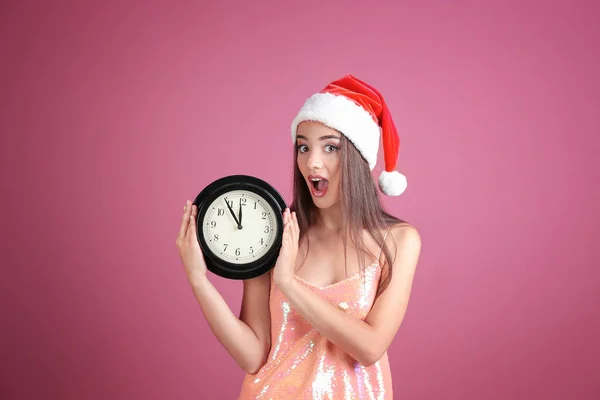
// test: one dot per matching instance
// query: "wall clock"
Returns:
(239, 226)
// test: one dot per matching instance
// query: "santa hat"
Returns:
(359, 112)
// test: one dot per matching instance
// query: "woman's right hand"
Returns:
(188, 246)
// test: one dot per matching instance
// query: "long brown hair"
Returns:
(360, 204)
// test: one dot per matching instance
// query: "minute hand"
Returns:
(232, 213)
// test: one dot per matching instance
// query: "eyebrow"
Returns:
(321, 138)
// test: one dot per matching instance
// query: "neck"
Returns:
(330, 219)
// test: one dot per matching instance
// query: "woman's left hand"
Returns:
(283, 272)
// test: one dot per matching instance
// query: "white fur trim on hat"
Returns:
(345, 116)
(392, 183)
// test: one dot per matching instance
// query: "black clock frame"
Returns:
(263, 189)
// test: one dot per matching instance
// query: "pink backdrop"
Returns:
(113, 114)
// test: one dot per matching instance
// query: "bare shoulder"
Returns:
(405, 233)
(404, 241)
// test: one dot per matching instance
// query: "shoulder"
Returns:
(404, 243)
(405, 233)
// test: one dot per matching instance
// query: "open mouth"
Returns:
(318, 186)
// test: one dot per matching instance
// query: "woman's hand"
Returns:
(283, 271)
(188, 246)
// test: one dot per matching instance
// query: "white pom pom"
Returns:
(392, 183)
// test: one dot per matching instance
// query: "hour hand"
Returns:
(232, 213)
(240, 215)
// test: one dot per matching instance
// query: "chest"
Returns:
(325, 263)
(353, 295)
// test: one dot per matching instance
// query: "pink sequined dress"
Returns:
(303, 364)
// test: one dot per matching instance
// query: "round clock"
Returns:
(239, 226)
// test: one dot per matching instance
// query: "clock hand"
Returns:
(240, 215)
(232, 213)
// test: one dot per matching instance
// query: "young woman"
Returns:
(319, 324)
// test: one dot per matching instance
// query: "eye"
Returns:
(330, 148)
(302, 148)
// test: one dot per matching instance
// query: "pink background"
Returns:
(114, 114)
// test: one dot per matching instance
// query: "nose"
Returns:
(314, 161)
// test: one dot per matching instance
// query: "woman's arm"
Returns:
(365, 341)
(247, 339)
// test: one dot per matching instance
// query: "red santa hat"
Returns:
(359, 112)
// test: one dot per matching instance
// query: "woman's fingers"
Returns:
(185, 221)
(286, 224)
(296, 226)
(192, 221)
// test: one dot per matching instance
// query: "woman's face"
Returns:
(319, 161)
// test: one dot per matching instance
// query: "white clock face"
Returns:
(245, 242)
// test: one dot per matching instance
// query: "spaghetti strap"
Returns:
(381, 248)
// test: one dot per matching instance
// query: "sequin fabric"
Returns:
(303, 364)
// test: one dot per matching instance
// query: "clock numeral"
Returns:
(251, 251)
(216, 237)
(243, 201)
(225, 246)
(213, 224)
(220, 212)
(237, 251)
(267, 229)
(255, 205)
(264, 215)
(230, 203)
(262, 240)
